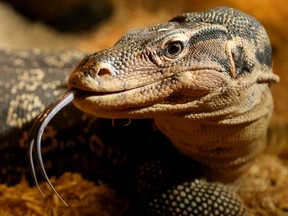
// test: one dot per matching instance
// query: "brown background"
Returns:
(37, 26)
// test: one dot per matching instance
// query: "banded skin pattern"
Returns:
(204, 78)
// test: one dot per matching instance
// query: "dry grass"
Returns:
(83, 198)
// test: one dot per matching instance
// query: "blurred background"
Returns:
(96, 24)
(91, 25)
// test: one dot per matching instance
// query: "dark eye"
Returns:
(174, 48)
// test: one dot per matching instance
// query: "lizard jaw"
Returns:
(119, 104)
(153, 99)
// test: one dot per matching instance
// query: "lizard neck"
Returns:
(226, 142)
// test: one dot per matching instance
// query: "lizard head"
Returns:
(150, 70)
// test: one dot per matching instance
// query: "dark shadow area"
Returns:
(65, 15)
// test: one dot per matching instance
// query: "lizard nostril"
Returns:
(104, 71)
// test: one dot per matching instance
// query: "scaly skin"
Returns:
(203, 77)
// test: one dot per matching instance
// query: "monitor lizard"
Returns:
(204, 78)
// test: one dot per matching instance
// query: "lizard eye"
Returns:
(174, 49)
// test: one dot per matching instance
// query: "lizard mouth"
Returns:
(118, 104)
(171, 94)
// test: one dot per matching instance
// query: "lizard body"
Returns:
(203, 77)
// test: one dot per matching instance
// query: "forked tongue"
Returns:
(36, 133)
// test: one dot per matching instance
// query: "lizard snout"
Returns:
(99, 69)
(93, 75)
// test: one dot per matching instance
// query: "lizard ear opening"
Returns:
(240, 62)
